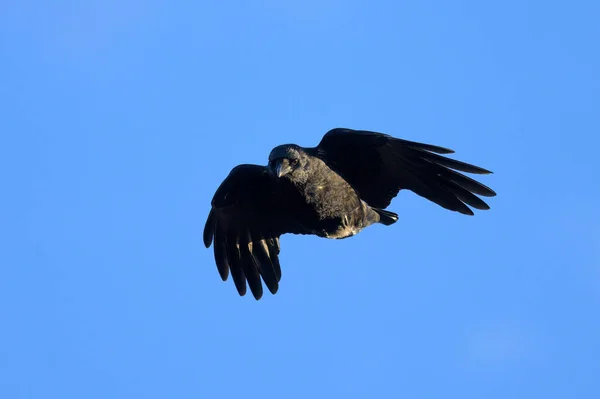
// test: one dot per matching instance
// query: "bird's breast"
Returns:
(336, 209)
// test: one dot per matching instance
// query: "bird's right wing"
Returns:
(250, 210)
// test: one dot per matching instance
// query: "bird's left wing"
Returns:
(250, 210)
(378, 166)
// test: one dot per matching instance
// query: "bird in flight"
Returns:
(333, 190)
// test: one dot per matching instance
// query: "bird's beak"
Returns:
(282, 167)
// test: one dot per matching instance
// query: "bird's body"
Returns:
(334, 191)
(334, 208)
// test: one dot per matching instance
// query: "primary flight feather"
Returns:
(333, 190)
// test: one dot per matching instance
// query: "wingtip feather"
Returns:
(209, 229)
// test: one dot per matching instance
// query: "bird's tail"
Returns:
(386, 217)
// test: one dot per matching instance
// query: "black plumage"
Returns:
(333, 190)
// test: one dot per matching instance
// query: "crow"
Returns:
(333, 190)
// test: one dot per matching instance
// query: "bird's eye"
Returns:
(294, 162)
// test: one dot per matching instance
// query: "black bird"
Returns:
(333, 190)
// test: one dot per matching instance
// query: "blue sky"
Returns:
(120, 118)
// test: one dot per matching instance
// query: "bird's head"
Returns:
(288, 161)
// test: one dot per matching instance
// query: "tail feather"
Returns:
(386, 217)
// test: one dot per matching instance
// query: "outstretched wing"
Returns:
(379, 166)
(250, 210)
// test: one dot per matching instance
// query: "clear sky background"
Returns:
(119, 119)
